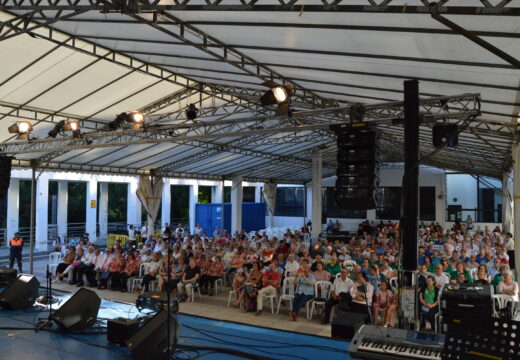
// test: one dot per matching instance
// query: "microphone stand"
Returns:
(48, 300)
(366, 302)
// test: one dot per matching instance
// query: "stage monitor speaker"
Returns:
(5, 175)
(21, 294)
(79, 312)
(120, 330)
(7, 275)
(151, 341)
(346, 324)
(445, 135)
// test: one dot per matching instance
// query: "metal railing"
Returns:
(76, 229)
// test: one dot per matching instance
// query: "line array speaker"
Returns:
(357, 172)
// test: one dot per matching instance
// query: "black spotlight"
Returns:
(57, 128)
(117, 122)
(191, 112)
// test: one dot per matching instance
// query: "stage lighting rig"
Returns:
(277, 94)
(134, 117)
(22, 128)
(73, 126)
(191, 112)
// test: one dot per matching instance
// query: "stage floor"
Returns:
(18, 344)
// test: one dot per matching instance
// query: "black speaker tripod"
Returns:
(47, 299)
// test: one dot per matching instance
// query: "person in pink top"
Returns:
(383, 300)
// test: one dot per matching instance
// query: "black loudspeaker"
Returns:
(445, 135)
(357, 172)
(7, 275)
(151, 341)
(79, 312)
(22, 293)
(5, 175)
(120, 330)
(345, 324)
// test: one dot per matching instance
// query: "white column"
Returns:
(236, 204)
(516, 202)
(216, 194)
(42, 205)
(507, 206)
(258, 195)
(308, 211)
(440, 202)
(316, 194)
(91, 212)
(194, 199)
(103, 210)
(133, 212)
(13, 208)
(63, 199)
(166, 203)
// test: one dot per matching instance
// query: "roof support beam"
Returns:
(298, 6)
(477, 40)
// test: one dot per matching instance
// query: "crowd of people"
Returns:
(360, 272)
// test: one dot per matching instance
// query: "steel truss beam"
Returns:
(197, 38)
(22, 23)
(53, 166)
(384, 6)
(453, 107)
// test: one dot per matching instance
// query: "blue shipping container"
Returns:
(209, 216)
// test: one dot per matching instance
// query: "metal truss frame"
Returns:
(300, 6)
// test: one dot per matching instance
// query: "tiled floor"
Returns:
(215, 307)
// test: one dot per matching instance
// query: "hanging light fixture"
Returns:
(73, 126)
(22, 128)
(277, 94)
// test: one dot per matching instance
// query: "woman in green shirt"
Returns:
(333, 268)
(429, 299)
(459, 269)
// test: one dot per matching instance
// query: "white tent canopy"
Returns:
(82, 61)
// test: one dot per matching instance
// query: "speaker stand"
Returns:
(48, 299)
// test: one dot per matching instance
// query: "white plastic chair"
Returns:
(288, 290)
(349, 264)
(216, 283)
(54, 260)
(473, 273)
(271, 300)
(136, 279)
(321, 295)
(394, 284)
(502, 301)
(194, 290)
(338, 275)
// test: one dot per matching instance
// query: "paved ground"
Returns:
(214, 307)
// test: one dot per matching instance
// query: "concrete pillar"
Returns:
(308, 210)
(13, 206)
(103, 211)
(91, 212)
(258, 194)
(316, 194)
(507, 206)
(166, 203)
(516, 201)
(236, 204)
(194, 199)
(133, 211)
(63, 199)
(440, 202)
(42, 205)
(216, 194)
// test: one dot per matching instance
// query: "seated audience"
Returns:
(429, 301)
(340, 292)
(305, 282)
(270, 285)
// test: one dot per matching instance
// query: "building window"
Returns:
(290, 201)
(427, 203)
(248, 194)
(331, 209)
(472, 195)
(389, 204)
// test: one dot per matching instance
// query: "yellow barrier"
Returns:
(113, 238)
(158, 233)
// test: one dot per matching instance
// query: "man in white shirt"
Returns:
(292, 265)
(198, 230)
(144, 231)
(131, 236)
(151, 269)
(179, 231)
(441, 278)
(362, 293)
(340, 292)
(86, 268)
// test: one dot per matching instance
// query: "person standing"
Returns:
(131, 236)
(15, 251)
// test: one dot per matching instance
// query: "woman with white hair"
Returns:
(507, 286)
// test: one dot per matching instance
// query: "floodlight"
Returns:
(136, 117)
(72, 125)
(192, 112)
(277, 94)
(22, 128)
(280, 94)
